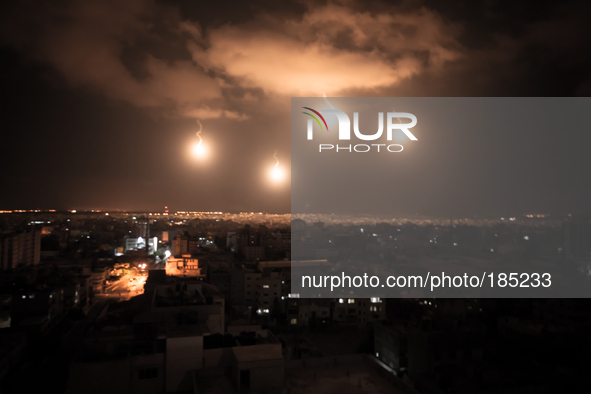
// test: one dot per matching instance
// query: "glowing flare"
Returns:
(200, 150)
(277, 174)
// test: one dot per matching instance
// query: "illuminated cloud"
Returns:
(204, 113)
(146, 54)
(331, 49)
(235, 115)
(214, 113)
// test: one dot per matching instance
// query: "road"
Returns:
(128, 286)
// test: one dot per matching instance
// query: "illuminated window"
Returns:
(375, 300)
(294, 321)
(341, 301)
(265, 286)
(351, 300)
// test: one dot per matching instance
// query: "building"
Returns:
(390, 345)
(359, 310)
(35, 309)
(173, 339)
(184, 266)
(133, 244)
(310, 312)
(440, 349)
(263, 286)
(318, 311)
(20, 249)
(259, 365)
(254, 253)
(12, 351)
(97, 278)
(184, 244)
(180, 245)
(577, 237)
(356, 373)
(222, 279)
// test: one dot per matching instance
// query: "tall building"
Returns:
(139, 243)
(577, 236)
(180, 245)
(185, 244)
(20, 249)
(183, 266)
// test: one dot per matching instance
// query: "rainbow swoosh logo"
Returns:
(315, 118)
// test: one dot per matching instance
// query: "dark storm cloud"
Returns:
(235, 67)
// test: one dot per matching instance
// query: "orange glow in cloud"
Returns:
(310, 56)
(330, 48)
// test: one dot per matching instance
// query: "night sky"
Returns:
(101, 98)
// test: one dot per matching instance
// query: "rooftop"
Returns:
(355, 374)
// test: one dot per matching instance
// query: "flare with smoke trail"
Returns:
(276, 173)
(199, 149)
